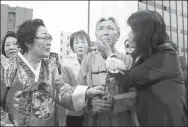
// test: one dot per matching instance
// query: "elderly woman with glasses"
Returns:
(31, 87)
(111, 110)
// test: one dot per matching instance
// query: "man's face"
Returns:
(106, 31)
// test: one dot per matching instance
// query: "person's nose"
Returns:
(105, 32)
(80, 45)
(12, 47)
(48, 43)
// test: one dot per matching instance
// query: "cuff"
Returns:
(124, 102)
(78, 97)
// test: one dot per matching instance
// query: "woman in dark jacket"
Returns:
(156, 73)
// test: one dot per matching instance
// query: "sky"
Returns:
(72, 16)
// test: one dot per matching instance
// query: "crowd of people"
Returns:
(146, 86)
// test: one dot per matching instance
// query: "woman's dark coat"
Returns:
(161, 90)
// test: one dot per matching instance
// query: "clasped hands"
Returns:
(100, 103)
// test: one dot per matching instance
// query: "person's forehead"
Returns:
(10, 39)
(106, 23)
(80, 38)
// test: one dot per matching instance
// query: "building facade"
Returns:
(175, 16)
(12, 17)
(65, 49)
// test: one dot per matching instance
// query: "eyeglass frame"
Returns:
(45, 38)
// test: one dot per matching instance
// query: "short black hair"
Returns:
(9, 34)
(150, 31)
(27, 32)
(79, 34)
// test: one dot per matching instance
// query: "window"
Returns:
(166, 3)
(151, 8)
(142, 6)
(185, 39)
(61, 41)
(168, 32)
(180, 37)
(11, 20)
(61, 49)
(185, 25)
(180, 23)
(68, 37)
(167, 27)
(164, 8)
(173, 20)
(167, 18)
(183, 49)
(185, 9)
(158, 4)
(179, 6)
(61, 57)
(173, 29)
(151, 3)
(173, 4)
(184, 15)
(174, 37)
(61, 34)
(159, 11)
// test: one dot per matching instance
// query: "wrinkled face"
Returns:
(132, 43)
(42, 43)
(80, 46)
(11, 47)
(106, 31)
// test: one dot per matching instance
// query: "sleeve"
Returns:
(4, 88)
(124, 102)
(126, 58)
(145, 76)
(72, 98)
(68, 75)
(81, 79)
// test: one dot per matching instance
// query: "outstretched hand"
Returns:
(95, 91)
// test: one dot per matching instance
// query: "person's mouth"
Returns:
(80, 50)
(12, 52)
(106, 39)
(48, 49)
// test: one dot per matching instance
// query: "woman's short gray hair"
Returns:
(106, 19)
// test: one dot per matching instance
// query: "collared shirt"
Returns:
(35, 71)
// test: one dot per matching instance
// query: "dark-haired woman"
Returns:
(9, 47)
(157, 73)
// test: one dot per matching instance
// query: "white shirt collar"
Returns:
(35, 72)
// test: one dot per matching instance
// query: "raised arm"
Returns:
(74, 98)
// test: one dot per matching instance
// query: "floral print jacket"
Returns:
(26, 102)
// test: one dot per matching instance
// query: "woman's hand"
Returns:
(100, 105)
(95, 91)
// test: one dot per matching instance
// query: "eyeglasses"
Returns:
(46, 38)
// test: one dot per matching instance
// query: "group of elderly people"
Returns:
(150, 92)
